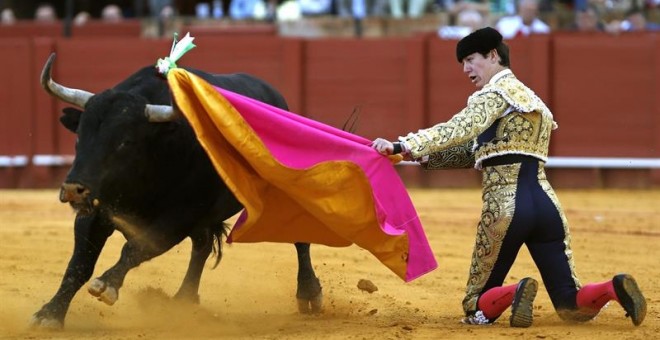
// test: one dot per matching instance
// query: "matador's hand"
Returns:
(383, 146)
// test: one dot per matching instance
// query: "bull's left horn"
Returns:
(69, 95)
(160, 113)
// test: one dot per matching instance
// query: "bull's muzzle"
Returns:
(73, 193)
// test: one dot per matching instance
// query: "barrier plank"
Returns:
(378, 76)
(130, 28)
(604, 95)
(257, 55)
(15, 110)
(29, 28)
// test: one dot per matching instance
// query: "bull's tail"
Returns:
(217, 234)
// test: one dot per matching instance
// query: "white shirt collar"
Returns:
(499, 75)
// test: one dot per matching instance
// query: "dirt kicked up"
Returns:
(251, 295)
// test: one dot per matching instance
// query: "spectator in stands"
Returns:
(467, 22)
(588, 20)
(112, 14)
(524, 23)
(314, 7)
(494, 8)
(245, 9)
(7, 17)
(635, 21)
(456, 7)
(81, 18)
(415, 8)
(45, 12)
(363, 8)
(161, 8)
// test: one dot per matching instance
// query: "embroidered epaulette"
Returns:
(520, 97)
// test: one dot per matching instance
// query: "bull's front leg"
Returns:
(90, 234)
(135, 252)
(309, 295)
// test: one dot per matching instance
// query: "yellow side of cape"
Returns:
(330, 203)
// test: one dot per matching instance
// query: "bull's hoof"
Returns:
(103, 292)
(187, 297)
(45, 323)
(311, 306)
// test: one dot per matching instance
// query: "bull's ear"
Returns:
(70, 118)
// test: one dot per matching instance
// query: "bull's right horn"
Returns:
(71, 96)
(160, 113)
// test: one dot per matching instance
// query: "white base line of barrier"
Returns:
(13, 161)
(553, 162)
(52, 160)
(595, 162)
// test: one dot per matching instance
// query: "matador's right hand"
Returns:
(383, 146)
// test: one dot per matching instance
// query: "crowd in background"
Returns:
(511, 17)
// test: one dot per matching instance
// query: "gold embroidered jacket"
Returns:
(522, 126)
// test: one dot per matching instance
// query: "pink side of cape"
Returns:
(298, 142)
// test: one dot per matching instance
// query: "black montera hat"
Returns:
(482, 40)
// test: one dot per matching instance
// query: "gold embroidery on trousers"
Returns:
(499, 197)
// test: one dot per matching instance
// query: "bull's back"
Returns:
(152, 86)
(247, 85)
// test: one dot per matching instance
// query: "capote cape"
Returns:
(302, 181)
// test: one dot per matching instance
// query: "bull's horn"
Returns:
(160, 113)
(71, 96)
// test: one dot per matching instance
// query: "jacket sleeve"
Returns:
(455, 157)
(482, 110)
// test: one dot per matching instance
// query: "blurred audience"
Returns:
(467, 22)
(45, 13)
(163, 9)
(588, 19)
(455, 7)
(112, 14)
(7, 17)
(414, 8)
(524, 23)
(362, 8)
(314, 7)
(634, 21)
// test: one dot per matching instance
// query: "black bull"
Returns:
(139, 169)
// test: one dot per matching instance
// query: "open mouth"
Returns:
(473, 79)
(82, 208)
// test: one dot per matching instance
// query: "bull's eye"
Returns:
(124, 145)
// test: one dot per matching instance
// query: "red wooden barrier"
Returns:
(603, 100)
(602, 89)
(233, 29)
(15, 110)
(604, 94)
(382, 78)
(272, 59)
(655, 174)
(100, 29)
(29, 28)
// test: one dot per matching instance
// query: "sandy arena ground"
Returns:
(251, 295)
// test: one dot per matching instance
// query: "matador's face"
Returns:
(481, 68)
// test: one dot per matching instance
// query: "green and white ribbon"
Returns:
(179, 48)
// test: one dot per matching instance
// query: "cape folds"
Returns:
(302, 181)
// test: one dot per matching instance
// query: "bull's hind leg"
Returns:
(309, 295)
(106, 287)
(202, 245)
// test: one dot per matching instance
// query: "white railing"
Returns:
(553, 162)
(595, 162)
